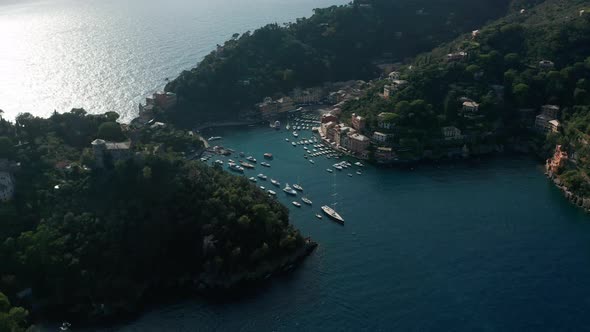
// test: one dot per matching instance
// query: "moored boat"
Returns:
(252, 159)
(332, 214)
(247, 165)
(319, 216)
(269, 155)
(297, 204)
(262, 176)
(272, 193)
(275, 182)
(214, 138)
(265, 164)
(253, 179)
(329, 170)
(306, 200)
(289, 191)
(297, 187)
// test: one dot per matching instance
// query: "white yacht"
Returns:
(262, 177)
(306, 200)
(333, 214)
(289, 190)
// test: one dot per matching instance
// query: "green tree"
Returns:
(110, 131)
(6, 147)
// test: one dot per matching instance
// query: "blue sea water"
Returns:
(107, 55)
(486, 245)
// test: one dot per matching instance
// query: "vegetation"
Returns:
(336, 43)
(501, 72)
(12, 319)
(86, 241)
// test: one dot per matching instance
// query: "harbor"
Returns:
(291, 143)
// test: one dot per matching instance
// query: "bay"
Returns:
(481, 245)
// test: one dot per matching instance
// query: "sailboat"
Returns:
(330, 212)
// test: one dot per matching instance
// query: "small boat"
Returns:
(349, 174)
(272, 193)
(288, 126)
(262, 176)
(333, 214)
(319, 216)
(219, 162)
(276, 125)
(306, 200)
(297, 187)
(297, 204)
(286, 139)
(294, 144)
(252, 159)
(311, 161)
(65, 326)
(247, 165)
(214, 138)
(338, 167)
(236, 168)
(289, 191)
(242, 154)
(358, 173)
(262, 187)
(265, 164)
(269, 155)
(275, 182)
(295, 134)
(329, 170)
(253, 179)
(305, 156)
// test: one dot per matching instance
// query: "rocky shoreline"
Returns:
(580, 201)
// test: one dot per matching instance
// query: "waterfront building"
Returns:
(116, 151)
(308, 96)
(358, 122)
(384, 154)
(358, 143)
(329, 117)
(270, 108)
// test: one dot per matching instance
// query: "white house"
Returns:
(451, 132)
(470, 106)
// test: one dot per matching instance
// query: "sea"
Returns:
(470, 245)
(108, 55)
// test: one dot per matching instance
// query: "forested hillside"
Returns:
(500, 70)
(92, 243)
(336, 43)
